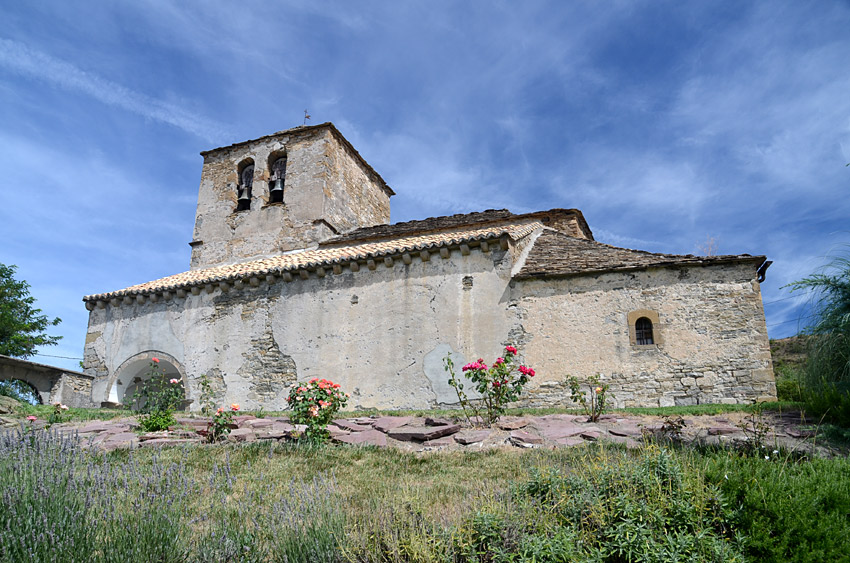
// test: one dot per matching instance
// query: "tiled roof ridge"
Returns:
(531, 270)
(648, 253)
(446, 223)
(317, 259)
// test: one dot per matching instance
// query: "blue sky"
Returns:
(665, 122)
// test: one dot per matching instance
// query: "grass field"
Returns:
(268, 502)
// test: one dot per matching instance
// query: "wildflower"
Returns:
(510, 349)
(32, 418)
(767, 457)
(775, 451)
(173, 381)
(234, 407)
(155, 360)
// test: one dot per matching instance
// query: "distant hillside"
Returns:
(789, 352)
(789, 357)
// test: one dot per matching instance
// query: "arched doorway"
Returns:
(137, 369)
(21, 390)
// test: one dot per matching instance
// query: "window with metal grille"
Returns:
(643, 331)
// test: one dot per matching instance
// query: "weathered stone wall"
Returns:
(714, 346)
(327, 189)
(383, 333)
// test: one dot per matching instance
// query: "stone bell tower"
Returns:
(283, 192)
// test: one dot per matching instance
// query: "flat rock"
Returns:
(259, 423)
(242, 418)
(467, 437)
(121, 438)
(242, 435)
(422, 433)
(625, 431)
(723, 430)
(591, 435)
(387, 423)
(437, 442)
(553, 429)
(363, 420)
(525, 439)
(437, 421)
(513, 424)
(94, 427)
(367, 437)
(352, 426)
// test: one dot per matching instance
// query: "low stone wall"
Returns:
(53, 384)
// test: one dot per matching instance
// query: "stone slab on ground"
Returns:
(242, 435)
(513, 424)
(429, 421)
(387, 423)
(591, 435)
(525, 439)
(259, 423)
(350, 425)
(438, 442)
(367, 437)
(422, 433)
(467, 437)
(625, 430)
(554, 429)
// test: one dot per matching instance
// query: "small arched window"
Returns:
(246, 182)
(276, 182)
(643, 331)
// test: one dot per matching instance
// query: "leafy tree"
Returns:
(22, 326)
(826, 377)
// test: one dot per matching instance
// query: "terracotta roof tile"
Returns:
(557, 254)
(324, 256)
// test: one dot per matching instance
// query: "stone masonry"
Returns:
(321, 285)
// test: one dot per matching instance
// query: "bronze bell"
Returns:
(243, 195)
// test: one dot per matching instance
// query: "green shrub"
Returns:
(788, 511)
(654, 508)
(826, 377)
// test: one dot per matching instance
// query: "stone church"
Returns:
(296, 273)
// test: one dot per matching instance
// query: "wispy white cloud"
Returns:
(21, 59)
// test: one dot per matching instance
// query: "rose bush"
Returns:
(498, 385)
(157, 398)
(221, 424)
(595, 405)
(315, 404)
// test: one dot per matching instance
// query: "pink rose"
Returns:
(510, 349)
(155, 360)
(500, 361)
(173, 381)
(32, 418)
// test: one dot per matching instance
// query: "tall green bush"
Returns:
(826, 377)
